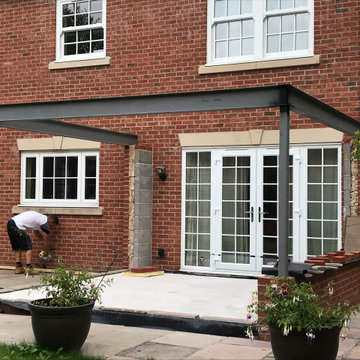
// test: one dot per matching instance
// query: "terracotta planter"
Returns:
(295, 346)
(61, 327)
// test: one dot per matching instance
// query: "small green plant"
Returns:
(69, 287)
(293, 306)
(34, 352)
(356, 145)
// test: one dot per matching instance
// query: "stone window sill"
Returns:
(56, 65)
(257, 65)
(95, 211)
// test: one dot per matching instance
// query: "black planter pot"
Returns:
(56, 327)
(295, 346)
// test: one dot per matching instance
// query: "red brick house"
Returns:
(217, 210)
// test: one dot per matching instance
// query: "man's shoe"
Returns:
(30, 271)
(19, 270)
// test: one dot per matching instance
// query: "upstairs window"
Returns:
(80, 29)
(60, 179)
(259, 30)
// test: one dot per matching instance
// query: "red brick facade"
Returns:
(155, 47)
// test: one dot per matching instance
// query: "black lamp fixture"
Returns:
(161, 172)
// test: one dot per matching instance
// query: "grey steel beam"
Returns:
(284, 191)
(317, 110)
(215, 100)
(63, 128)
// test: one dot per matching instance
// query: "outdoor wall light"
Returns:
(161, 172)
(161, 252)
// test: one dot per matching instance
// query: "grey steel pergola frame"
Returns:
(44, 117)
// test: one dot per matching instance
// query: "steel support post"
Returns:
(283, 265)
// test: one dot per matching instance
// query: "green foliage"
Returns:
(356, 145)
(295, 306)
(35, 352)
(69, 287)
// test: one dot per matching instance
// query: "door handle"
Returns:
(251, 212)
(261, 213)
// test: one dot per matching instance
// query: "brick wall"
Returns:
(155, 46)
(346, 285)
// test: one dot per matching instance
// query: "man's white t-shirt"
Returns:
(30, 220)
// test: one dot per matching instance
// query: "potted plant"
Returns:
(303, 325)
(62, 319)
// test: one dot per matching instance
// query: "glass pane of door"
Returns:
(197, 208)
(268, 209)
(236, 216)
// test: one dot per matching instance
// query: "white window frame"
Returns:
(259, 15)
(60, 57)
(39, 201)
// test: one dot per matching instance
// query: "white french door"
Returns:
(230, 202)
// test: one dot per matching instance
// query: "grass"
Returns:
(34, 352)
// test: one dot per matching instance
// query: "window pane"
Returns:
(48, 167)
(287, 23)
(234, 48)
(204, 208)
(314, 157)
(248, 28)
(97, 34)
(273, 44)
(300, 3)
(270, 245)
(90, 166)
(70, 37)
(84, 35)
(96, 18)
(191, 175)
(228, 226)
(190, 258)
(302, 22)
(242, 209)
(330, 192)
(314, 228)
(60, 166)
(242, 227)
(191, 224)
(314, 211)
(243, 192)
(72, 166)
(96, 5)
(220, 49)
(190, 208)
(287, 42)
(30, 167)
(82, 20)
(242, 244)
(204, 242)
(246, 6)
(286, 4)
(301, 41)
(48, 190)
(191, 159)
(90, 189)
(59, 188)
(228, 209)
(204, 258)
(314, 175)
(330, 246)
(330, 211)
(68, 21)
(190, 241)
(330, 175)
(71, 189)
(272, 4)
(229, 161)
(82, 7)
(330, 156)
(68, 9)
(204, 159)
(234, 29)
(314, 246)
(83, 48)
(204, 192)
(70, 49)
(220, 8)
(30, 188)
(330, 229)
(204, 175)
(247, 47)
(221, 31)
(228, 243)
(228, 192)
(191, 192)
(273, 25)
(233, 7)
(204, 225)
(228, 175)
